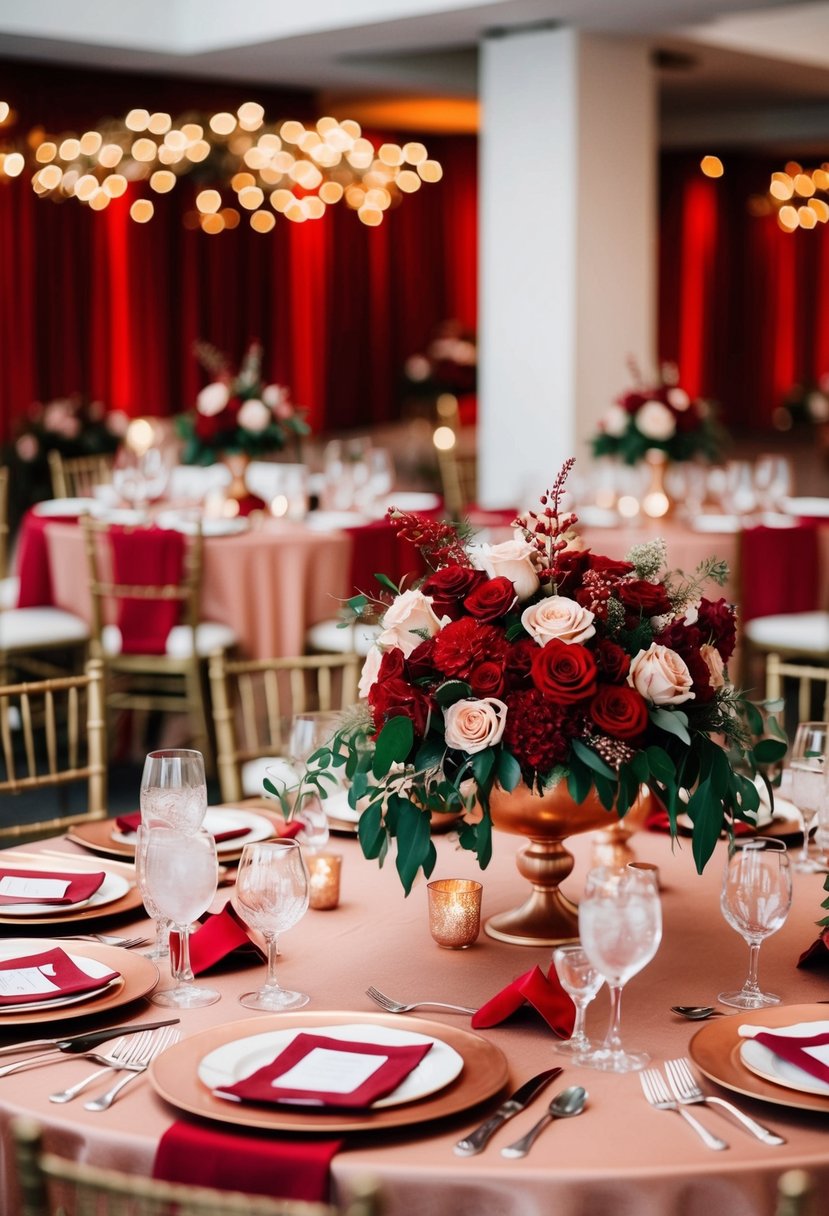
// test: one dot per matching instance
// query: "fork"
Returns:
(385, 1002)
(106, 939)
(656, 1092)
(687, 1091)
(162, 1039)
(120, 1056)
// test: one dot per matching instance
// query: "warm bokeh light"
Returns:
(162, 181)
(712, 166)
(627, 506)
(142, 210)
(208, 201)
(223, 123)
(787, 218)
(159, 124)
(137, 120)
(45, 152)
(806, 217)
(262, 221)
(444, 438)
(803, 185)
(5, 110)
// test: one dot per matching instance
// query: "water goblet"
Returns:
(271, 895)
(755, 900)
(310, 732)
(181, 874)
(808, 789)
(620, 926)
(174, 789)
(581, 981)
(307, 810)
(161, 945)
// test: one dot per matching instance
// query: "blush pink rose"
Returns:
(371, 669)
(661, 676)
(471, 726)
(558, 617)
(254, 416)
(212, 399)
(408, 621)
(655, 421)
(714, 663)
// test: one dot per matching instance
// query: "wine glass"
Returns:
(271, 895)
(580, 979)
(808, 784)
(161, 946)
(181, 874)
(174, 789)
(772, 480)
(307, 810)
(620, 926)
(755, 900)
(311, 731)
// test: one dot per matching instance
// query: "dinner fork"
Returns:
(121, 1055)
(106, 939)
(687, 1090)
(385, 1002)
(161, 1041)
(656, 1092)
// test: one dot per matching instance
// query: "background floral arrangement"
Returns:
(238, 412)
(804, 405)
(449, 363)
(534, 660)
(661, 416)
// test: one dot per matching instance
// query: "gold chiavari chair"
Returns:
(9, 585)
(810, 679)
(52, 733)
(459, 480)
(50, 1185)
(253, 699)
(797, 1194)
(77, 476)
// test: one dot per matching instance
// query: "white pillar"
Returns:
(567, 247)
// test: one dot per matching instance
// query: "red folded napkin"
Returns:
(33, 559)
(45, 976)
(816, 955)
(147, 557)
(251, 503)
(658, 821)
(219, 935)
(241, 1161)
(794, 1051)
(395, 1065)
(544, 993)
(81, 886)
(131, 823)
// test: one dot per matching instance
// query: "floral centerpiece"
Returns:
(237, 413)
(805, 404)
(536, 661)
(447, 365)
(660, 417)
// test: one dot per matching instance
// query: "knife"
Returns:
(477, 1140)
(76, 1044)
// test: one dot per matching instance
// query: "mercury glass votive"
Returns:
(323, 880)
(455, 912)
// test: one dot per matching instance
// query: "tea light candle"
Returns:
(455, 912)
(324, 880)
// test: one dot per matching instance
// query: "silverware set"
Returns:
(390, 1006)
(681, 1090)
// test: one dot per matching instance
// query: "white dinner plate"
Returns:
(90, 967)
(225, 819)
(409, 500)
(65, 506)
(127, 517)
(331, 521)
(175, 521)
(716, 523)
(762, 1060)
(234, 1061)
(817, 508)
(336, 807)
(114, 886)
(597, 517)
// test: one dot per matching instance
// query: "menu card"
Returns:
(47, 886)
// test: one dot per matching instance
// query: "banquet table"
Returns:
(620, 1157)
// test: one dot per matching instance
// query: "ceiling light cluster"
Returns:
(794, 194)
(247, 168)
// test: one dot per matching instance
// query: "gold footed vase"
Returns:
(238, 463)
(611, 846)
(548, 917)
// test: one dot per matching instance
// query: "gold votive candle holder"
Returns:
(455, 912)
(324, 880)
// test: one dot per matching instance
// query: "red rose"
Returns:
(716, 622)
(395, 698)
(688, 419)
(421, 662)
(519, 662)
(449, 587)
(619, 711)
(609, 565)
(391, 665)
(649, 599)
(462, 645)
(612, 662)
(487, 680)
(491, 599)
(207, 427)
(564, 672)
(569, 566)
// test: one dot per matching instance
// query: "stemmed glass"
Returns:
(174, 789)
(271, 895)
(808, 789)
(620, 926)
(181, 874)
(580, 979)
(161, 946)
(755, 900)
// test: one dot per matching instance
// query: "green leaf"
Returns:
(769, 751)
(592, 760)
(606, 791)
(484, 841)
(371, 832)
(673, 722)
(413, 842)
(515, 631)
(661, 765)
(393, 745)
(450, 692)
(639, 767)
(753, 717)
(707, 816)
(579, 781)
(429, 755)
(482, 765)
(385, 581)
(508, 772)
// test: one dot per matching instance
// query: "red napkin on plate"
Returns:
(396, 1064)
(658, 821)
(242, 1161)
(544, 993)
(63, 975)
(817, 955)
(81, 886)
(131, 823)
(793, 1050)
(220, 934)
(147, 557)
(33, 559)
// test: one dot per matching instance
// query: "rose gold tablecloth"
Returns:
(619, 1158)
(270, 584)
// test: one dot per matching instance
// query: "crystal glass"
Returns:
(772, 480)
(161, 945)
(581, 981)
(755, 900)
(181, 874)
(309, 812)
(174, 789)
(808, 784)
(620, 926)
(309, 732)
(271, 895)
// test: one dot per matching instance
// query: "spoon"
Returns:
(696, 1013)
(565, 1105)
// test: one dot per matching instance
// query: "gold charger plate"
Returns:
(97, 836)
(138, 978)
(174, 1076)
(715, 1049)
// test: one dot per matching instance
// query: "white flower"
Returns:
(407, 619)
(655, 421)
(679, 399)
(371, 669)
(616, 421)
(213, 398)
(661, 676)
(558, 617)
(254, 416)
(512, 559)
(417, 367)
(692, 613)
(273, 395)
(470, 726)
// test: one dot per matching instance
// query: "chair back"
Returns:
(52, 733)
(52, 1186)
(254, 699)
(4, 521)
(77, 476)
(459, 480)
(812, 683)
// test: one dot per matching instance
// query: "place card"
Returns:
(26, 886)
(52, 973)
(33, 888)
